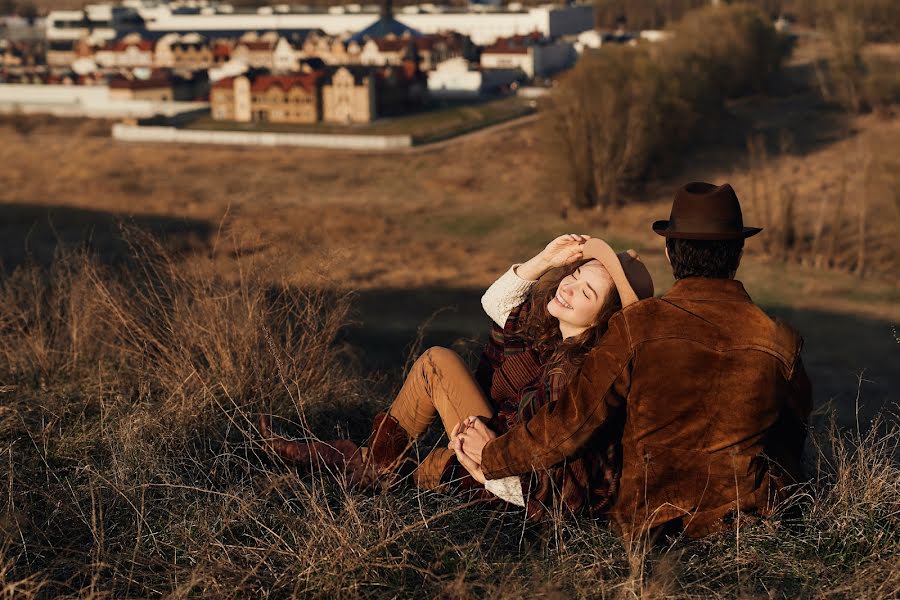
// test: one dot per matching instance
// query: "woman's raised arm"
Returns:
(511, 289)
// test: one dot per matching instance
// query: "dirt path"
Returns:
(468, 137)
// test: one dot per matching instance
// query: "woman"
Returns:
(543, 331)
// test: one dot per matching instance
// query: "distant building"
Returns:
(331, 49)
(258, 53)
(533, 54)
(348, 95)
(61, 53)
(655, 35)
(431, 49)
(129, 52)
(157, 89)
(267, 98)
(286, 56)
(482, 24)
(386, 26)
(456, 78)
(193, 53)
(337, 94)
(163, 57)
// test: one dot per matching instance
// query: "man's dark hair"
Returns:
(704, 258)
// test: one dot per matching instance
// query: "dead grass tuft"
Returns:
(131, 467)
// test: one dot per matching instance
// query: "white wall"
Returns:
(452, 78)
(134, 133)
(85, 101)
(505, 60)
(483, 28)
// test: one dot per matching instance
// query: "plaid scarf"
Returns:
(511, 374)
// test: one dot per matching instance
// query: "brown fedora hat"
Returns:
(703, 211)
(630, 276)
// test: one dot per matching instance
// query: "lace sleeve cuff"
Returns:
(508, 292)
(508, 488)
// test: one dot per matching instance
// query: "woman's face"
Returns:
(581, 296)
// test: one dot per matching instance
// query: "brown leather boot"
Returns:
(334, 455)
(386, 447)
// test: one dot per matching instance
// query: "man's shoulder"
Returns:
(787, 340)
(724, 327)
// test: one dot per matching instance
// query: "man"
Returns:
(713, 392)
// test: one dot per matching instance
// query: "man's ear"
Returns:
(666, 248)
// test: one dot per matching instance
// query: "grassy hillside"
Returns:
(300, 281)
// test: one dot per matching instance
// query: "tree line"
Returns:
(621, 111)
(880, 19)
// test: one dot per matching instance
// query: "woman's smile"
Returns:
(559, 300)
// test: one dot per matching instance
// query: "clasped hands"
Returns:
(467, 440)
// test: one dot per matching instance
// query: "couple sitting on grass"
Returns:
(669, 415)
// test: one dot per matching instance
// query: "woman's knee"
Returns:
(438, 355)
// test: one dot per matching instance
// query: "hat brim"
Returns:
(662, 228)
(597, 249)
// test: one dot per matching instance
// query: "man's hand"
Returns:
(474, 437)
(471, 466)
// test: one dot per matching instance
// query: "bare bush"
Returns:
(856, 78)
(880, 18)
(623, 111)
(605, 121)
(835, 227)
(881, 84)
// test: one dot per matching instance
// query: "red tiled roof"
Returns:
(144, 45)
(224, 84)
(306, 80)
(261, 45)
(515, 44)
(390, 45)
(497, 49)
(426, 43)
(534, 36)
(120, 83)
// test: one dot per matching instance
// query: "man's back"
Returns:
(706, 393)
(716, 408)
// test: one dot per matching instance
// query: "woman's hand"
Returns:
(473, 438)
(564, 250)
(470, 465)
(456, 445)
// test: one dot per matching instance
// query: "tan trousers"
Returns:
(438, 385)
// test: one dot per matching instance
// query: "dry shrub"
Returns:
(623, 111)
(852, 226)
(133, 468)
(881, 84)
(880, 18)
(855, 78)
(733, 51)
(605, 122)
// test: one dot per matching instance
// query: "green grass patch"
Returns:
(441, 122)
(464, 225)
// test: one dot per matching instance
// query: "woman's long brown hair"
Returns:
(561, 358)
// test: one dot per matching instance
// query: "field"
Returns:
(300, 281)
(431, 125)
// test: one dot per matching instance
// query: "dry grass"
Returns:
(128, 385)
(132, 467)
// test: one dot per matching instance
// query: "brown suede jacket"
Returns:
(715, 401)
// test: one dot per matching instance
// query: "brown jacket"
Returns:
(715, 401)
